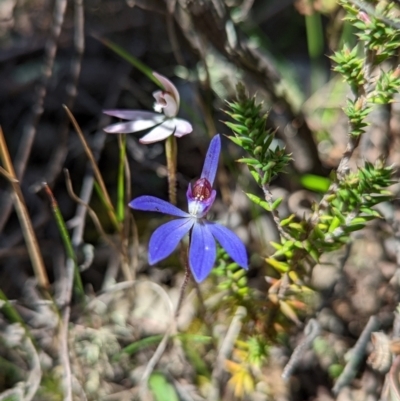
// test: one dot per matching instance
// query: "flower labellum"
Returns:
(202, 248)
(168, 99)
(163, 125)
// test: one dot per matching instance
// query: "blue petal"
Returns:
(211, 162)
(230, 242)
(153, 204)
(166, 238)
(202, 251)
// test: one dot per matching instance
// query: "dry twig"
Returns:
(357, 353)
(311, 331)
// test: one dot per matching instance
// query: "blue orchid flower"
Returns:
(203, 233)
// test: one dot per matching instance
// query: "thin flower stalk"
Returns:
(171, 153)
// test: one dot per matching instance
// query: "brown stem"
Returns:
(182, 290)
(171, 155)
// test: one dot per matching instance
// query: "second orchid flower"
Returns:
(163, 125)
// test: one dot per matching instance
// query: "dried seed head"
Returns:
(381, 357)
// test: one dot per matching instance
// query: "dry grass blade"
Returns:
(91, 212)
(22, 212)
(96, 170)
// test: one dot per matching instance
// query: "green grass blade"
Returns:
(140, 344)
(7, 308)
(130, 59)
(9, 311)
(315, 42)
(152, 340)
(111, 212)
(69, 249)
(315, 35)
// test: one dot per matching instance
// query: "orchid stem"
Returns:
(171, 155)
(182, 290)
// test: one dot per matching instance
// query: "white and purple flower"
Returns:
(164, 125)
(202, 248)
